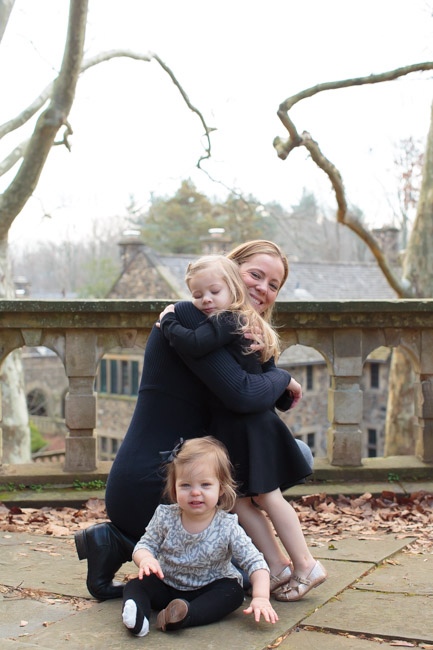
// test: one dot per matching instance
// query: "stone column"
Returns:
(80, 407)
(424, 399)
(345, 399)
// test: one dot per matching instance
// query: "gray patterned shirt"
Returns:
(192, 560)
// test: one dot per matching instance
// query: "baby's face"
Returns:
(210, 292)
(197, 489)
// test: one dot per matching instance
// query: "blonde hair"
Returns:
(212, 451)
(248, 318)
(244, 252)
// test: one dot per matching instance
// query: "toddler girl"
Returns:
(184, 557)
(262, 450)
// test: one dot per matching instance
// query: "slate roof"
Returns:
(336, 281)
(314, 280)
(306, 281)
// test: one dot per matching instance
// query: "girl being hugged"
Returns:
(184, 557)
(262, 450)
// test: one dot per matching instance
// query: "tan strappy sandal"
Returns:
(289, 594)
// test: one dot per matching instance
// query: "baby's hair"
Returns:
(197, 450)
(248, 318)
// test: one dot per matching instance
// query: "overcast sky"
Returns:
(237, 60)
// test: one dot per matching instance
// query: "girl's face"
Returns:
(197, 490)
(209, 291)
(263, 276)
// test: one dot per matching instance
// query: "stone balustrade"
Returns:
(344, 332)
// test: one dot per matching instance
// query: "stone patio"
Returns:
(374, 589)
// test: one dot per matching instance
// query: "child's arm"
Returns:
(240, 391)
(260, 604)
(214, 333)
(253, 563)
(147, 547)
(147, 563)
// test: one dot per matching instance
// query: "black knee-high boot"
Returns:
(106, 549)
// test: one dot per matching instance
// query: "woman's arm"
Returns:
(219, 371)
(214, 333)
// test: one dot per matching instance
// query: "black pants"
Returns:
(207, 604)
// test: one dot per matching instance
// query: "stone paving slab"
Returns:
(395, 616)
(412, 575)
(47, 563)
(309, 640)
(14, 610)
(42, 562)
(100, 627)
(8, 644)
(372, 548)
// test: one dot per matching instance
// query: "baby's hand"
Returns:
(150, 565)
(262, 606)
(169, 309)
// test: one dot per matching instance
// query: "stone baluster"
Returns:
(345, 399)
(80, 408)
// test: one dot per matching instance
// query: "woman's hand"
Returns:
(296, 389)
(168, 310)
(262, 607)
(256, 337)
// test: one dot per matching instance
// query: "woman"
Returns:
(170, 404)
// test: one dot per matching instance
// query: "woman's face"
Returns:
(263, 275)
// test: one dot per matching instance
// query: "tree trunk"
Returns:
(399, 430)
(418, 270)
(15, 424)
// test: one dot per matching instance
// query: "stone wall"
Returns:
(345, 333)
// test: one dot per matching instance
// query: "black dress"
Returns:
(263, 451)
(174, 402)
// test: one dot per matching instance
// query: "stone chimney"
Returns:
(129, 245)
(388, 238)
(216, 242)
(22, 286)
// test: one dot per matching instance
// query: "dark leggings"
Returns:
(206, 604)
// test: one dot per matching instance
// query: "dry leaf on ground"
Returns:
(323, 518)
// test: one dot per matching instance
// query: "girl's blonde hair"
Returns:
(248, 318)
(244, 252)
(209, 450)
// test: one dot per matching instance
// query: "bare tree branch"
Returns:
(6, 7)
(284, 147)
(44, 96)
(207, 129)
(14, 156)
(21, 188)
(102, 57)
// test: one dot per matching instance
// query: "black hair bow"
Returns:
(169, 456)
